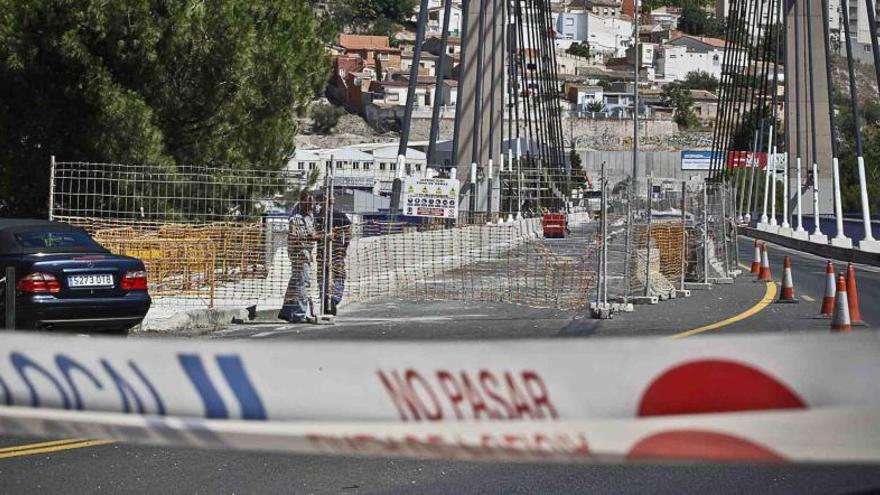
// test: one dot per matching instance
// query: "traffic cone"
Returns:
(787, 294)
(852, 294)
(841, 321)
(764, 275)
(830, 289)
(756, 263)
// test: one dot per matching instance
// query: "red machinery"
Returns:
(555, 225)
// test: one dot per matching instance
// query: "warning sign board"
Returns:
(435, 198)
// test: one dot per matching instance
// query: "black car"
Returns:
(65, 279)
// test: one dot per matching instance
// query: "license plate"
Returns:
(94, 280)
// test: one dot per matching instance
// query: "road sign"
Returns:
(697, 160)
(354, 181)
(434, 198)
(746, 159)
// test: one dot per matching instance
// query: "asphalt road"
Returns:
(124, 469)
(116, 468)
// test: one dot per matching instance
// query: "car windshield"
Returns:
(55, 239)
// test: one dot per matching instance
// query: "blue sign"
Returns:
(697, 160)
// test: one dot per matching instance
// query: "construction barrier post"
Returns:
(787, 294)
(765, 275)
(852, 294)
(841, 321)
(830, 289)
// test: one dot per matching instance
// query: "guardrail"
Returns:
(824, 250)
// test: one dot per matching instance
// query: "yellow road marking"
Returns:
(38, 445)
(24, 450)
(769, 295)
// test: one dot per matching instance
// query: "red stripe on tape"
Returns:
(706, 445)
(712, 386)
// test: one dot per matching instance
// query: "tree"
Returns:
(744, 135)
(324, 117)
(678, 97)
(595, 106)
(869, 120)
(382, 17)
(574, 158)
(649, 5)
(579, 50)
(696, 21)
(701, 80)
(158, 83)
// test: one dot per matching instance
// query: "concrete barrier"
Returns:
(824, 250)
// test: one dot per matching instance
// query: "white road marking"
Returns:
(807, 298)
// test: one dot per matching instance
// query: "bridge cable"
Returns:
(723, 89)
(863, 190)
(735, 22)
(763, 110)
(757, 16)
(438, 81)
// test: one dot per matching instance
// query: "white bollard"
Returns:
(785, 229)
(839, 240)
(817, 236)
(773, 225)
(868, 243)
(800, 232)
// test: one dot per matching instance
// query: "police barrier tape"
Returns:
(821, 435)
(495, 387)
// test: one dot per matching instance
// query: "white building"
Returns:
(859, 30)
(607, 35)
(366, 167)
(602, 8)
(680, 56)
(435, 19)
(666, 17)
(450, 93)
(394, 93)
(569, 64)
(347, 162)
(386, 163)
(427, 63)
(582, 96)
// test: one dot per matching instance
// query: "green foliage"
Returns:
(605, 84)
(701, 80)
(649, 5)
(324, 117)
(743, 138)
(696, 21)
(677, 96)
(381, 17)
(579, 50)
(574, 159)
(595, 106)
(869, 120)
(148, 81)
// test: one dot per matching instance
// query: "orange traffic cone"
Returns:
(841, 321)
(852, 294)
(830, 288)
(764, 275)
(787, 294)
(756, 263)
